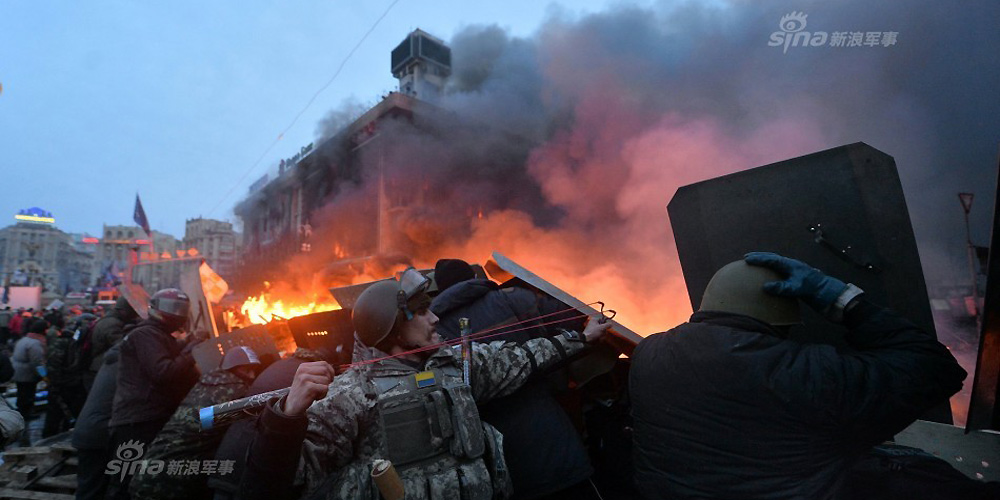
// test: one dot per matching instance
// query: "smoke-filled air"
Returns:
(562, 149)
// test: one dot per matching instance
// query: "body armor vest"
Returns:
(427, 416)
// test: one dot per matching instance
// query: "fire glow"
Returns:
(263, 309)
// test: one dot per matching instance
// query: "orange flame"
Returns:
(263, 308)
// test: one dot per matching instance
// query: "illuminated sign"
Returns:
(290, 162)
(91, 240)
(35, 214)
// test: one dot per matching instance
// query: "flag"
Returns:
(139, 216)
(214, 286)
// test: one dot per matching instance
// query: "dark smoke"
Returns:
(571, 141)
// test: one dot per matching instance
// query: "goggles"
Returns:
(411, 284)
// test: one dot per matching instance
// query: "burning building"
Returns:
(368, 197)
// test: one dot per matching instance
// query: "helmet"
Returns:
(124, 308)
(379, 306)
(170, 306)
(239, 356)
(739, 288)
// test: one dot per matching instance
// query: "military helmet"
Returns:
(379, 306)
(170, 306)
(240, 356)
(738, 288)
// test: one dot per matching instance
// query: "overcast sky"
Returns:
(177, 100)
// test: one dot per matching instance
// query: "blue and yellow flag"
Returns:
(424, 379)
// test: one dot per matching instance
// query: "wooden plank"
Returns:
(622, 338)
(8, 493)
(65, 482)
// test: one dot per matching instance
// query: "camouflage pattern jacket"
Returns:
(63, 365)
(182, 441)
(347, 431)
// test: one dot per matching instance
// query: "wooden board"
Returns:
(503, 268)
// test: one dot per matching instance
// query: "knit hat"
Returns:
(448, 272)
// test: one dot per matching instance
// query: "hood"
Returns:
(461, 294)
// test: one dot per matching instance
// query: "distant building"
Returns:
(216, 241)
(156, 262)
(279, 213)
(33, 252)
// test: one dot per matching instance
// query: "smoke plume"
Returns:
(562, 149)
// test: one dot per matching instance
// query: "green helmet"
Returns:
(739, 288)
(381, 304)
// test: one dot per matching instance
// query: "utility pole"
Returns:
(966, 200)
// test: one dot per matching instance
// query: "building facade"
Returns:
(214, 240)
(154, 262)
(33, 252)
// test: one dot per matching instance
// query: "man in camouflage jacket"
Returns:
(185, 448)
(366, 413)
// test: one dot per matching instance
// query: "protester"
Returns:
(404, 400)
(236, 442)
(15, 324)
(183, 439)
(6, 316)
(29, 363)
(542, 447)
(11, 424)
(155, 372)
(66, 392)
(91, 436)
(727, 406)
(107, 332)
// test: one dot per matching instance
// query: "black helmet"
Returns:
(240, 356)
(170, 306)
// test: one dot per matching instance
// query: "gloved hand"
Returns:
(802, 281)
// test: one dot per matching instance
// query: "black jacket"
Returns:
(106, 333)
(724, 407)
(238, 437)
(542, 447)
(154, 375)
(91, 431)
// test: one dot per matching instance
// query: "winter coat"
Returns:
(11, 424)
(155, 372)
(91, 431)
(541, 445)
(343, 433)
(183, 439)
(63, 363)
(106, 333)
(491, 306)
(29, 354)
(724, 407)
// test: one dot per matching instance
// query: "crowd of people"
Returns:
(726, 405)
(58, 346)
